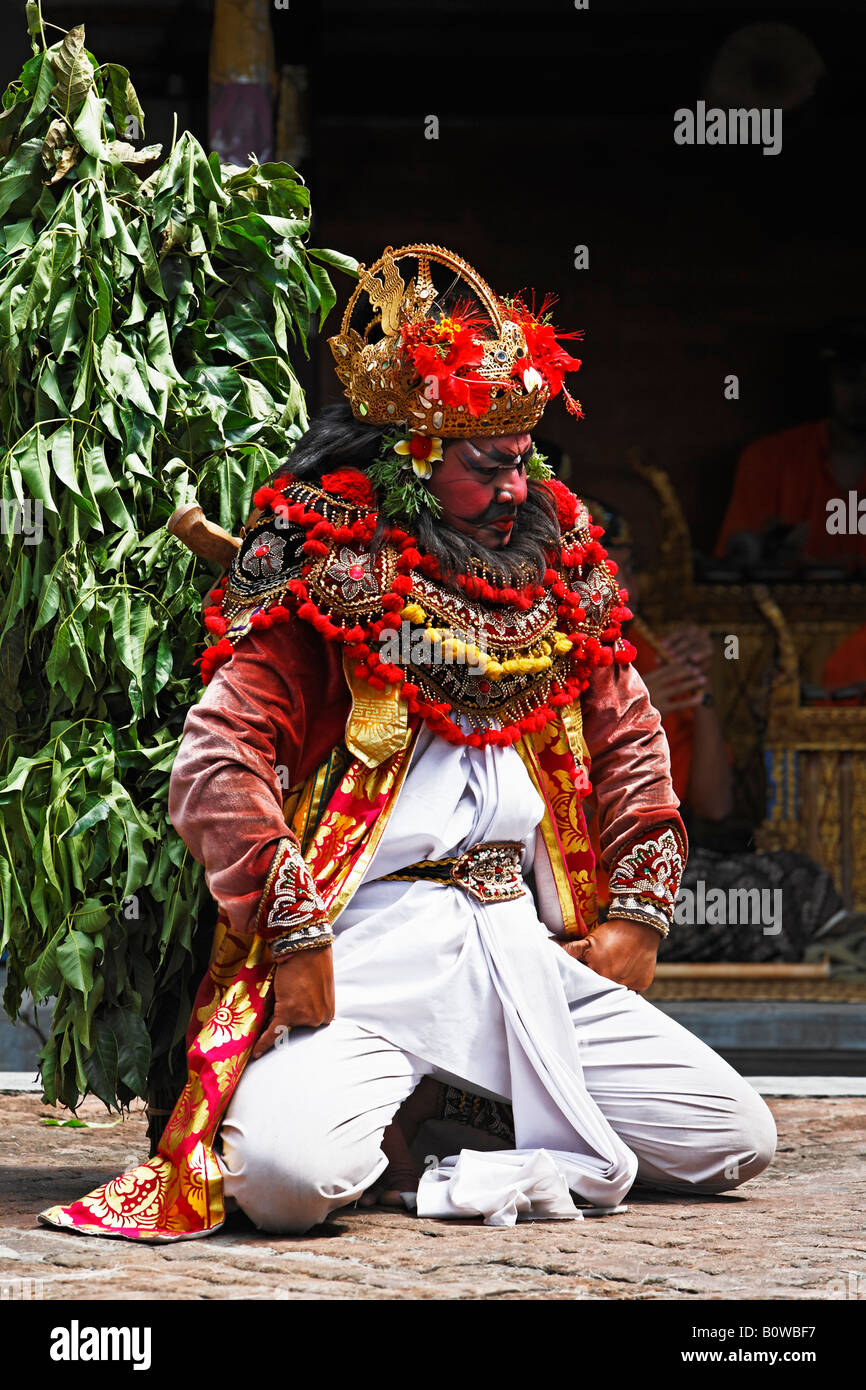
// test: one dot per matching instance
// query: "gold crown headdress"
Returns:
(484, 367)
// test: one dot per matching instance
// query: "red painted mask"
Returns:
(480, 484)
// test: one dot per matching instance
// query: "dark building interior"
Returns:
(556, 131)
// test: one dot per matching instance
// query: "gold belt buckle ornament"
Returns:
(490, 872)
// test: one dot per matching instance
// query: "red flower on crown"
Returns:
(543, 349)
(443, 349)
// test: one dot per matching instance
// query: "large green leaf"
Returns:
(123, 99)
(39, 77)
(64, 329)
(337, 259)
(32, 460)
(75, 955)
(91, 916)
(133, 1047)
(101, 1065)
(88, 125)
(20, 174)
(43, 975)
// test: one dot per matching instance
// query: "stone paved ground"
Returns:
(796, 1232)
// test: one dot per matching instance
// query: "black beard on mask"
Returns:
(533, 544)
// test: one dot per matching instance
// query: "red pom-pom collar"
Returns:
(352, 486)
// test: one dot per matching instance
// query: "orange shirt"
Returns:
(847, 664)
(787, 476)
(679, 725)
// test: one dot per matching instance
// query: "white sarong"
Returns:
(430, 981)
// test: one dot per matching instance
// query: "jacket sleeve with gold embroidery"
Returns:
(642, 837)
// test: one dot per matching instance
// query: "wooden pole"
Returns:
(201, 536)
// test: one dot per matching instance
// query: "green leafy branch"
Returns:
(149, 310)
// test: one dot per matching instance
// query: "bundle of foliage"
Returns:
(145, 330)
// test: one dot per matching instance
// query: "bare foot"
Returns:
(402, 1174)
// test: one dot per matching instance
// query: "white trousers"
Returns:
(302, 1135)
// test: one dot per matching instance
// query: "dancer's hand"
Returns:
(303, 995)
(675, 687)
(690, 644)
(619, 950)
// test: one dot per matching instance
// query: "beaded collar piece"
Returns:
(505, 659)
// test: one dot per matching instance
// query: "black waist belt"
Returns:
(489, 871)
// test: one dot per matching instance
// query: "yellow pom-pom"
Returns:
(413, 613)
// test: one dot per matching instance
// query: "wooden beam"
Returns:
(734, 970)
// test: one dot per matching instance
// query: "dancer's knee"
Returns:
(750, 1144)
(738, 1146)
(739, 1151)
(288, 1192)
